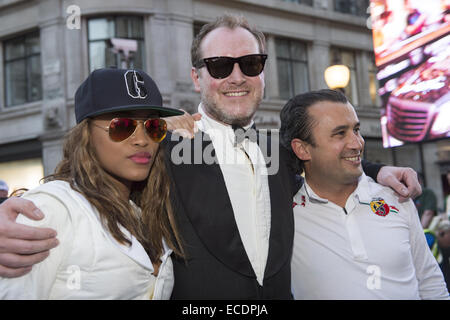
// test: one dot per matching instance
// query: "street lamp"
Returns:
(337, 76)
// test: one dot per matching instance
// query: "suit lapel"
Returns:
(282, 223)
(281, 230)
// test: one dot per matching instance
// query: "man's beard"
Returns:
(216, 113)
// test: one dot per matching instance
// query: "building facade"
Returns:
(48, 47)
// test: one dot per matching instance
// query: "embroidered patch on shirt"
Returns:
(381, 208)
(393, 209)
(302, 204)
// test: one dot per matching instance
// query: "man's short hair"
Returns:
(227, 21)
(297, 123)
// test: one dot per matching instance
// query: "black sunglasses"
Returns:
(221, 67)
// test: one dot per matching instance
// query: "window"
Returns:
(116, 41)
(347, 57)
(22, 173)
(292, 65)
(22, 65)
(21, 164)
(307, 2)
(354, 7)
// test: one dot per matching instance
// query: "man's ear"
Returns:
(195, 79)
(300, 149)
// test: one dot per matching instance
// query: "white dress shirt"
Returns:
(88, 263)
(358, 254)
(245, 174)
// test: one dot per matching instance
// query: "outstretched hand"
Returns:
(22, 246)
(402, 180)
(184, 125)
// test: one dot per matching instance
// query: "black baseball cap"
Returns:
(110, 89)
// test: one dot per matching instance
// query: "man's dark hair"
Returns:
(297, 123)
(228, 21)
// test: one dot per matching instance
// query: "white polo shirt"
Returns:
(374, 248)
(245, 173)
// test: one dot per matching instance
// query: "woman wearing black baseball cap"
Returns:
(108, 199)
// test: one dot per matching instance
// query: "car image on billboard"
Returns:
(412, 53)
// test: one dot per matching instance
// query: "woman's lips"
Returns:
(141, 158)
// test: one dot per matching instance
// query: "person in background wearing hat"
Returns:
(108, 199)
(3, 191)
(353, 238)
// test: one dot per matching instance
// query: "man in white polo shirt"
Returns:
(353, 238)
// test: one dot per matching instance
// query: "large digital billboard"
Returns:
(412, 53)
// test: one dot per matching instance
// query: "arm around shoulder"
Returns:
(22, 246)
(371, 169)
(38, 283)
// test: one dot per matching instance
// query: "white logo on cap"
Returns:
(135, 85)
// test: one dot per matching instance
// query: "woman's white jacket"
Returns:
(88, 263)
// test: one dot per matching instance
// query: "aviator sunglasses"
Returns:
(221, 67)
(120, 129)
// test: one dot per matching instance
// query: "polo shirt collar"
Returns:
(312, 195)
(362, 191)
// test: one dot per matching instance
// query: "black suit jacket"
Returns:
(216, 264)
